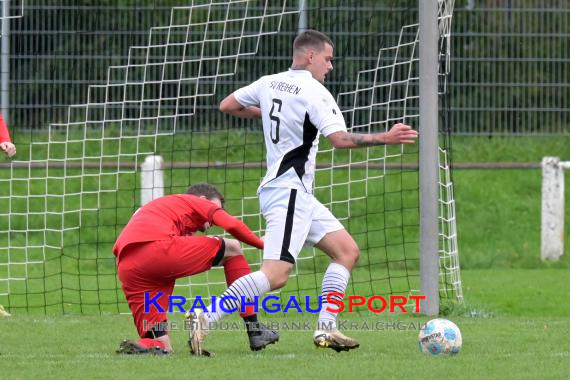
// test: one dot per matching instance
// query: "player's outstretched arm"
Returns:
(231, 106)
(236, 228)
(398, 134)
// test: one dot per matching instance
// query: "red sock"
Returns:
(234, 268)
(149, 343)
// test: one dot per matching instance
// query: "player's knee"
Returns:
(277, 273)
(354, 254)
(233, 248)
(350, 256)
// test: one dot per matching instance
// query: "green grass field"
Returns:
(516, 328)
(515, 320)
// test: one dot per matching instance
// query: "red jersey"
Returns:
(178, 215)
(4, 134)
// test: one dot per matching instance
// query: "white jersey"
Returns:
(295, 109)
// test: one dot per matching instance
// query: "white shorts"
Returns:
(293, 218)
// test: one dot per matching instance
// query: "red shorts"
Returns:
(153, 267)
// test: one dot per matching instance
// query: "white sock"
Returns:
(249, 286)
(335, 280)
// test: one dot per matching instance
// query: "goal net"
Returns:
(67, 197)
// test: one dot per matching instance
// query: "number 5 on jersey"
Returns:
(275, 118)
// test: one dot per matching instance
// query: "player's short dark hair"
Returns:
(206, 190)
(311, 39)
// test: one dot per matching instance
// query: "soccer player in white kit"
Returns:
(295, 109)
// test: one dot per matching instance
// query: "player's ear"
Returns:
(310, 55)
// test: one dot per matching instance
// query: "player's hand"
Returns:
(8, 148)
(400, 134)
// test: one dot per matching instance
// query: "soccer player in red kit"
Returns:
(158, 245)
(6, 145)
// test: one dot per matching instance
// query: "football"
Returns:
(441, 337)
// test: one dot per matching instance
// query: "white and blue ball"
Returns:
(441, 337)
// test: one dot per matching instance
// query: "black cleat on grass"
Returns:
(129, 347)
(262, 339)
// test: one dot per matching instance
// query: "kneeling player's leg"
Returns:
(152, 326)
(143, 277)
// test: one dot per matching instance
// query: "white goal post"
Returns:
(552, 225)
